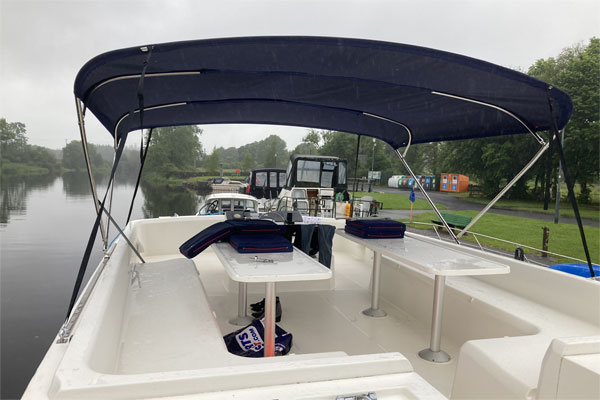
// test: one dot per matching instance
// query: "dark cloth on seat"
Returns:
(311, 238)
(325, 235)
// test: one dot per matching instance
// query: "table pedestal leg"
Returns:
(374, 310)
(434, 353)
(242, 318)
(270, 319)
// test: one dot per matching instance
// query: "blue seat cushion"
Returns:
(260, 243)
(202, 240)
(255, 226)
(222, 230)
(375, 228)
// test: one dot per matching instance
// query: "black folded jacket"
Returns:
(261, 243)
(221, 231)
(375, 228)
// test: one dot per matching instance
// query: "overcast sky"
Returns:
(44, 43)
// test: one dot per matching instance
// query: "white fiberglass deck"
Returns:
(161, 336)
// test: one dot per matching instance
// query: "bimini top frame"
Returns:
(398, 93)
(394, 92)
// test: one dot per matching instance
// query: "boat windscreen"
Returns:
(308, 171)
(342, 173)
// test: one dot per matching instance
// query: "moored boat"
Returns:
(220, 203)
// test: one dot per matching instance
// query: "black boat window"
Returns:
(308, 171)
(327, 174)
(281, 179)
(250, 205)
(261, 179)
(327, 179)
(273, 179)
(226, 205)
(341, 173)
(238, 205)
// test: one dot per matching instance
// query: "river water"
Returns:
(45, 223)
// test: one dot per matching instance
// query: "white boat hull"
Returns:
(161, 336)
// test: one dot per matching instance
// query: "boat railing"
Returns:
(362, 207)
(518, 255)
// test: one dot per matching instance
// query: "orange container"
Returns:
(454, 183)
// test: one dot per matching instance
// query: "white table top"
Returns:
(286, 267)
(430, 258)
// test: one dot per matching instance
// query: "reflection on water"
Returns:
(160, 200)
(14, 193)
(44, 227)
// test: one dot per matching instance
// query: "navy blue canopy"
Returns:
(379, 89)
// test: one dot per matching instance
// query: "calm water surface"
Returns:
(45, 223)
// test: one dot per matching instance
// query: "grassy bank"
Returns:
(10, 168)
(589, 211)
(564, 238)
(394, 201)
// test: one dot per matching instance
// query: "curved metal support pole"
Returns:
(535, 135)
(505, 189)
(397, 123)
(81, 122)
(452, 235)
(111, 219)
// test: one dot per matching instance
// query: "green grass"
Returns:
(564, 238)
(395, 201)
(10, 168)
(590, 211)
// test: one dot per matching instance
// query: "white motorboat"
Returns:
(220, 203)
(312, 182)
(398, 319)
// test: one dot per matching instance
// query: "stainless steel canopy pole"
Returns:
(505, 189)
(557, 203)
(427, 196)
(80, 120)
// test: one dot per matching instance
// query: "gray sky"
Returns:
(44, 43)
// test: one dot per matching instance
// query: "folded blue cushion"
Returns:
(375, 228)
(222, 230)
(202, 240)
(261, 243)
(255, 226)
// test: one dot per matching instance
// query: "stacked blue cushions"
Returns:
(375, 228)
(222, 231)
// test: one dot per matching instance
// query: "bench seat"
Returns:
(453, 220)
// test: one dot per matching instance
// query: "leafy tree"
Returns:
(271, 156)
(577, 71)
(313, 137)
(212, 163)
(74, 159)
(304, 148)
(248, 164)
(175, 148)
(13, 140)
